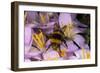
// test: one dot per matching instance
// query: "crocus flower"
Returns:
(74, 41)
(29, 53)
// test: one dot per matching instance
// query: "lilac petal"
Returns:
(82, 29)
(51, 24)
(64, 19)
(28, 35)
(48, 43)
(69, 54)
(32, 53)
(78, 54)
(63, 47)
(48, 28)
(51, 55)
(31, 25)
(86, 46)
(76, 30)
(79, 40)
(37, 58)
(31, 16)
(73, 15)
(27, 48)
(78, 23)
(71, 46)
(72, 57)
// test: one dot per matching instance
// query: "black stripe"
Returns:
(76, 44)
(36, 47)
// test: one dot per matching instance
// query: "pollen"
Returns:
(39, 39)
(68, 31)
(63, 53)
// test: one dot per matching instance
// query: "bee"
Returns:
(56, 38)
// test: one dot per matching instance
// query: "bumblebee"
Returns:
(56, 39)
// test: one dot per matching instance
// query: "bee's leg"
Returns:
(59, 51)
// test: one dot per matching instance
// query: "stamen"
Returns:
(38, 39)
(83, 53)
(68, 31)
(88, 55)
(43, 18)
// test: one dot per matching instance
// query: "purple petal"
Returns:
(76, 30)
(78, 23)
(28, 35)
(27, 48)
(86, 46)
(29, 53)
(34, 53)
(71, 46)
(31, 16)
(64, 19)
(79, 40)
(48, 43)
(51, 55)
(72, 57)
(73, 15)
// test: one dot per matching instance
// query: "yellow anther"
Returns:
(88, 55)
(83, 53)
(39, 39)
(43, 18)
(68, 31)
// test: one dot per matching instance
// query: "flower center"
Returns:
(68, 31)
